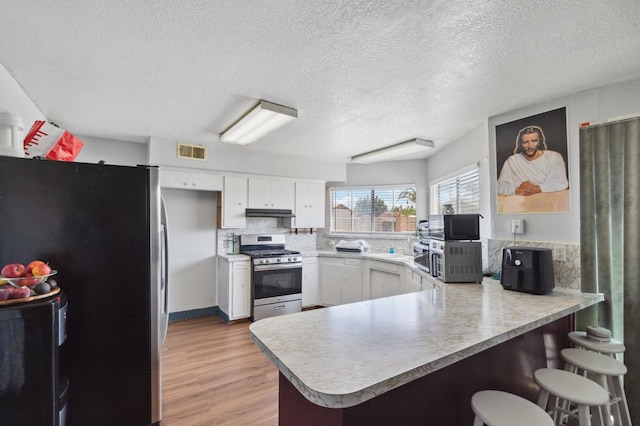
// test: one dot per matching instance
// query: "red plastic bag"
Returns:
(49, 141)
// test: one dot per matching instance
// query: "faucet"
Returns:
(233, 240)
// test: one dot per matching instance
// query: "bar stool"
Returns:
(585, 394)
(497, 408)
(608, 373)
(610, 348)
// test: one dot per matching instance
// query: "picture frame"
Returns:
(532, 164)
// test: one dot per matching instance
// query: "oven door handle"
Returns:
(275, 266)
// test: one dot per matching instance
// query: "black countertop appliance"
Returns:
(33, 387)
(527, 269)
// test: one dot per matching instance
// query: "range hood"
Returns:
(269, 213)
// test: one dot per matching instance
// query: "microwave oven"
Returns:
(421, 258)
(454, 227)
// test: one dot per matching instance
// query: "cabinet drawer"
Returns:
(383, 266)
(240, 265)
(357, 262)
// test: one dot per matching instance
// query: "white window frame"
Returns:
(353, 233)
(435, 207)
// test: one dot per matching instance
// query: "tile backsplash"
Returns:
(303, 242)
(567, 273)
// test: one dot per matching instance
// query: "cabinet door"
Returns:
(394, 284)
(301, 205)
(351, 283)
(259, 193)
(281, 194)
(316, 205)
(240, 290)
(310, 296)
(175, 179)
(206, 181)
(234, 202)
(377, 284)
(224, 285)
(384, 284)
(309, 205)
(331, 278)
(189, 179)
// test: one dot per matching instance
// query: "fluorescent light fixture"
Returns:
(393, 151)
(262, 119)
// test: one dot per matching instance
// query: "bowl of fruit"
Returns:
(18, 281)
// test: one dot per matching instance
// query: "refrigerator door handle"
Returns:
(164, 273)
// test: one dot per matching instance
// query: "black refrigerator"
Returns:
(103, 228)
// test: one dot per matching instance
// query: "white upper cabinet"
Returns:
(233, 203)
(309, 205)
(270, 194)
(190, 179)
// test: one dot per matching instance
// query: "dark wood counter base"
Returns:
(442, 397)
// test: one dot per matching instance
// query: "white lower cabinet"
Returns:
(340, 280)
(310, 288)
(412, 282)
(234, 287)
(346, 280)
(383, 279)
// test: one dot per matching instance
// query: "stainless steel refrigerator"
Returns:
(102, 227)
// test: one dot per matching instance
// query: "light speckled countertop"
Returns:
(231, 257)
(344, 355)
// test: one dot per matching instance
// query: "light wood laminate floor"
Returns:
(213, 374)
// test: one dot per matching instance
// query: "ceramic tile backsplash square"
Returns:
(302, 241)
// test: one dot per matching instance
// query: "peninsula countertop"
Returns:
(341, 356)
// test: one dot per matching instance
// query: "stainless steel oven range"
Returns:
(276, 277)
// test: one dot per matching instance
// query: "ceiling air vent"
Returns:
(192, 151)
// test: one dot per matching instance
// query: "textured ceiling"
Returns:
(362, 74)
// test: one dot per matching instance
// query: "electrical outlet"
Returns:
(517, 226)
(560, 253)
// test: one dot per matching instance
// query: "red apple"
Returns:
(13, 270)
(40, 269)
(28, 280)
(4, 293)
(19, 292)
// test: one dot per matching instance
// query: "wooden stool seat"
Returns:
(609, 372)
(578, 390)
(497, 408)
(612, 347)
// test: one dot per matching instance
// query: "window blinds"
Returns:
(461, 191)
(372, 210)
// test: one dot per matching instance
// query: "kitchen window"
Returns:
(461, 191)
(384, 209)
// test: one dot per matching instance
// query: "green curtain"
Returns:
(610, 238)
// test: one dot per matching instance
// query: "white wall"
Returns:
(111, 152)
(15, 101)
(390, 173)
(225, 157)
(468, 150)
(594, 105)
(192, 248)
(478, 146)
